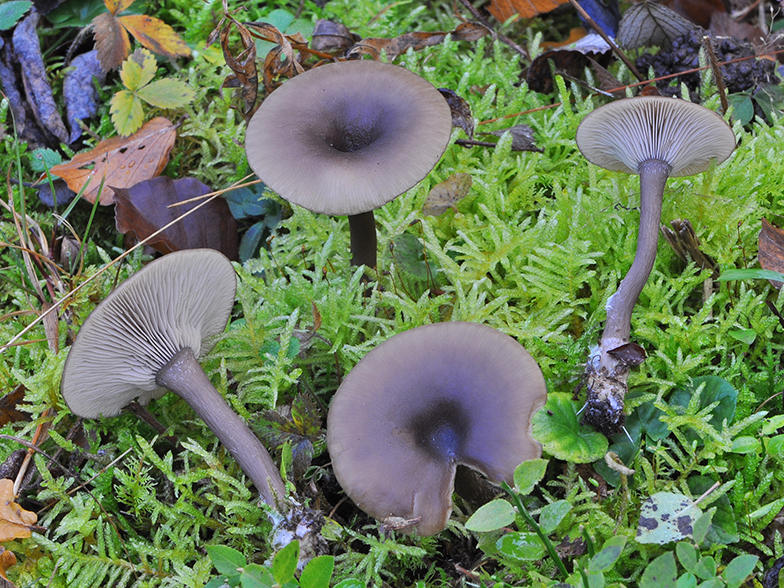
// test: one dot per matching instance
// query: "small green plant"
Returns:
(136, 74)
(234, 569)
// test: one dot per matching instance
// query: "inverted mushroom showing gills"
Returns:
(423, 402)
(656, 138)
(146, 338)
(346, 138)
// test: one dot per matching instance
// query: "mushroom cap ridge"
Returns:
(422, 402)
(348, 137)
(181, 300)
(622, 134)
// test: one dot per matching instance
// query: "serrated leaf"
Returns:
(317, 572)
(528, 474)
(491, 516)
(285, 563)
(115, 6)
(167, 93)
(155, 35)
(127, 113)
(111, 41)
(11, 12)
(138, 69)
(226, 559)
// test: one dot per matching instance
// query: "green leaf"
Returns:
(747, 336)
(687, 580)
(317, 572)
(521, 546)
(167, 93)
(256, 576)
(750, 274)
(739, 569)
(138, 69)
(528, 474)
(127, 114)
(666, 517)
(350, 583)
(775, 446)
(43, 159)
(660, 573)
(606, 558)
(745, 444)
(705, 568)
(723, 528)
(558, 429)
(742, 107)
(712, 389)
(687, 555)
(11, 12)
(491, 516)
(552, 515)
(285, 563)
(225, 559)
(773, 424)
(702, 525)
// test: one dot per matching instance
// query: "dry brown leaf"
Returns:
(15, 522)
(447, 194)
(771, 250)
(467, 31)
(111, 41)
(503, 10)
(120, 162)
(7, 559)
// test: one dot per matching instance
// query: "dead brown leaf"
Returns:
(771, 250)
(15, 522)
(143, 208)
(467, 31)
(120, 162)
(7, 559)
(245, 76)
(503, 10)
(447, 194)
(461, 111)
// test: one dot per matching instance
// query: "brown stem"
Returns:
(363, 239)
(183, 376)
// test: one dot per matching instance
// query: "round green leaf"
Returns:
(557, 427)
(317, 572)
(491, 516)
(521, 546)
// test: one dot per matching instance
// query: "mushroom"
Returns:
(346, 138)
(423, 402)
(654, 137)
(145, 338)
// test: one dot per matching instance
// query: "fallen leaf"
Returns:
(332, 36)
(79, 91)
(629, 354)
(649, 24)
(522, 137)
(143, 208)
(7, 559)
(467, 31)
(666, 517)
(570, 61)
(114, 45)
(461, 111)
(245, 74)
(771, 250)
(503, 10)
(447, 194)
(699, 12)
(8, 403)
(27, 50)
(15, 522)
(120, 162)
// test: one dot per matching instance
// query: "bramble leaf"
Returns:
(126, 110)
(167, 93)
(155, 35)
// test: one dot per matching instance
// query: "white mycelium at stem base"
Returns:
(654, 137)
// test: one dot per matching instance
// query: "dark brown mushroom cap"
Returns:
(424, 401)
(620, 135)
(181, 300)
(348, 137)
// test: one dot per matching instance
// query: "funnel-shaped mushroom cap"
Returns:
(348, 137)
(181, 300)
(622, 134)
(424, 401)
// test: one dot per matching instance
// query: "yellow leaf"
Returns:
(127, 113)
(115, 6)
(167, 93)
(131, 74)
(7, 559)
(447, 194)
(148, 65)
(15, 522)
(155, 35)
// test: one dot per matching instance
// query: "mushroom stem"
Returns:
(653, 177)
(363, 239)
(184, 376)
